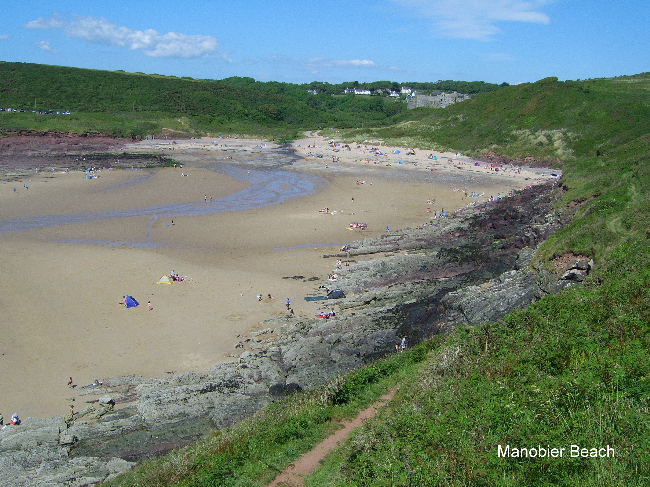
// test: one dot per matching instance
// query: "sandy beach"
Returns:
(71, 247)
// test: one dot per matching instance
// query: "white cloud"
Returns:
(149, 42)
(4, 37)
(329, 63)
(45, 46)
(359, 63)
(476, 19)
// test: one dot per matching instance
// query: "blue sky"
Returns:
(335, 40)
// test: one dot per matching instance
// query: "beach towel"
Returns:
(315, 298)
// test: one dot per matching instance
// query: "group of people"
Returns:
(15, 420)
(175, 277)
(287, 302)
(346, 249)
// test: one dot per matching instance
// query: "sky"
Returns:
(336, 41)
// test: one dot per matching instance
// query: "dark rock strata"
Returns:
(26, 152)
(420, 282)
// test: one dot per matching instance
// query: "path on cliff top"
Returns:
(294, 475)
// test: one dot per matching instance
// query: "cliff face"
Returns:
(458, 271)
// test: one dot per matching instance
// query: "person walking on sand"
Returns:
(149, 305)
(288, 303)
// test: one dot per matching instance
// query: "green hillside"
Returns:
(135, 104)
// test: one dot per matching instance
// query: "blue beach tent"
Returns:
(130, 302)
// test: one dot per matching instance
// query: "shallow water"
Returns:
(268, 187)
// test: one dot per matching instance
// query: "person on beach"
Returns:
(149, 305)
(288, 303)
(15, 420)
(403, 344)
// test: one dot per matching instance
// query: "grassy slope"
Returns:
(571, 369)
(135, 104)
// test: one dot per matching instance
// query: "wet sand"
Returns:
(62, 282)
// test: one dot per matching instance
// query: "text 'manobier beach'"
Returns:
(574, 451)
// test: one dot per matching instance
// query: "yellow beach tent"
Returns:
(165, 280)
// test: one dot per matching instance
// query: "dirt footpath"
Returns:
(294, 475)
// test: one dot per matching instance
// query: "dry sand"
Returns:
(61, 285)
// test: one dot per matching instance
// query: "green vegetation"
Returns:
(571, 369)
(135, 104)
